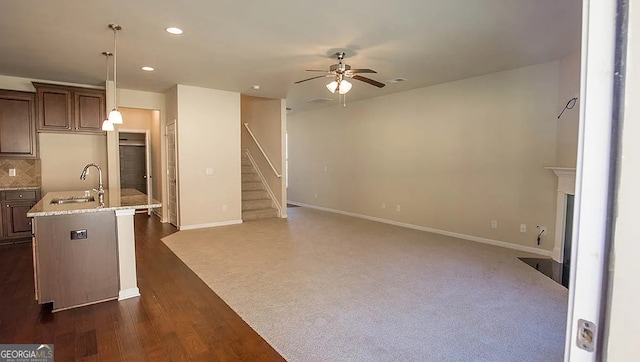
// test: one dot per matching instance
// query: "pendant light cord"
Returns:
(115, 68)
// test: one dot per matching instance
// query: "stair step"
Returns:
(246, 162)
(256, 204)
(248, 169)
(259, 214)
(249, 177)
(252, 186)
(255, 195)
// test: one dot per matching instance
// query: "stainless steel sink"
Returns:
(73, 200)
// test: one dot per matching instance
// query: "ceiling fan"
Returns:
(340, 72)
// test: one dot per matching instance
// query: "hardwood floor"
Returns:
(177, 317)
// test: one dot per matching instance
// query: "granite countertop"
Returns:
(116, 200)
(13, 188)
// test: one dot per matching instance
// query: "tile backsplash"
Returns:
(28, 172)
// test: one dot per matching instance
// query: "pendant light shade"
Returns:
(107, 126)
(115, 117)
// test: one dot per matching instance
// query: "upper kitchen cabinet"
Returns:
(69, 109)
(17, 124)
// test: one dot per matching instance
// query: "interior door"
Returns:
(172, 168)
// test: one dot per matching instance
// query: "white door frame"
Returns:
(590, 226)
(173, 124)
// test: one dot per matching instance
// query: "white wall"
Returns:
(453, 156)
(567, 129)
(208, 137)
(63, 157)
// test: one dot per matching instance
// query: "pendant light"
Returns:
(107, 125)
(114, 116)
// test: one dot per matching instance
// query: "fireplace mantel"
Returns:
(566, 179)
(566, 186)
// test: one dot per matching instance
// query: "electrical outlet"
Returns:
(523, 228)
(78, 234)
(397, 207)
(224, 207)
(208, 171)
(12, 172)
(325, 168)
(315, 196)
(494, 224)
(383, 206)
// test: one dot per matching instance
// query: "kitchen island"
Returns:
(84, 251)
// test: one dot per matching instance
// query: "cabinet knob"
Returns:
(8, 205)
(20, 195)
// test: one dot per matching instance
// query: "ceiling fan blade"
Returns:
(304, 80)
(354, 71)
(316, 70)
(368, 80)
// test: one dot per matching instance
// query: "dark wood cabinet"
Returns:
(89, 110)
(17, 124)
(16, 226)
(69, 109)
(54, 108)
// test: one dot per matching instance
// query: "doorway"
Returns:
(134, 148)
(133, 161)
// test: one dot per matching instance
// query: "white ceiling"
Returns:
(233, 44)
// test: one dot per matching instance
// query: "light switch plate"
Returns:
(209, 171)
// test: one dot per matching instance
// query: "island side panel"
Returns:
(81, 271)
(127, 254)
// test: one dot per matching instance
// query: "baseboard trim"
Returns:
(209, 225)
(129, 293)
(478, 239)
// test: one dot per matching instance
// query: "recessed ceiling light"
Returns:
(256, 87)
(148, 69)
(173, 30)
(397, 80)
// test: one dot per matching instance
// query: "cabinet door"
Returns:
(2, 234)
(17, 124)
(89, 110)
(54, 108)
(16, 221)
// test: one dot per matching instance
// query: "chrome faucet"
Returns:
(100, 189)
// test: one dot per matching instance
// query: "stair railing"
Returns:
(246, 125)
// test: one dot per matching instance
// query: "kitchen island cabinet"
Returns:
(84, 252)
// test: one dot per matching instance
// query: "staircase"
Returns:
(256, 203)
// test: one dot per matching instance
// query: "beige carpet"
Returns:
(327, 287)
